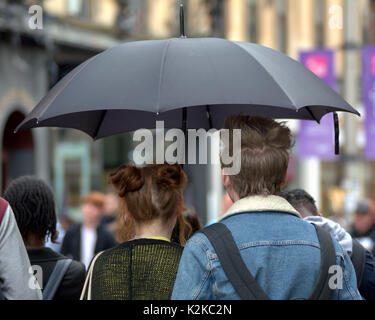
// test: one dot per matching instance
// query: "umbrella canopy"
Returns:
(187, 82)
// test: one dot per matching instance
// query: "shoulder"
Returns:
(75, 274)
(73, 229)
(3, 207)
(76, 270)
(115, 251)
(143, 242)
(105, 233)
(198, 243)
(3, 204)
(125, 247)
(72, 283)
(340, 252)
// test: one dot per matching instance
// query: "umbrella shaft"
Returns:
(182, 21)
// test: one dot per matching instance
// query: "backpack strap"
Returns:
(55, 278)
(233, 265)
(321, 289)
(359, 260)
(88, 281)
(3, 207)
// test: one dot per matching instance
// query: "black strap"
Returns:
(359, 260)
(242, 280)
(55, 278)
(321, 289)
(233, 265)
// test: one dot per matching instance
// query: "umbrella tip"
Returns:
(17, 128)
(182, 21)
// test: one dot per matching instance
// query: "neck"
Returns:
(90, 225)
(233, 195)
(33, 242)
(154, 228)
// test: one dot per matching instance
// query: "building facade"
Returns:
(33, 60)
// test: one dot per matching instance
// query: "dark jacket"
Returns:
(71, 246)
(72, 283)
(367, 288)
(370, 235)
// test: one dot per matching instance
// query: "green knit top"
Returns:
(141, 269)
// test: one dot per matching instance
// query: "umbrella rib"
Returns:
(162, 67)
(209, 116)
(312, 114)
(80, 68)
(100, 123)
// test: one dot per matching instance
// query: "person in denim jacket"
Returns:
(280, 249)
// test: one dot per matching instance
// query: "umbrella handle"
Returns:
(337, 133)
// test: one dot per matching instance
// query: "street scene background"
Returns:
(333, 38)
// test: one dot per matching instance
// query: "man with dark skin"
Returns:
(34, 208)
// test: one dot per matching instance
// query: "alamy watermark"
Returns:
(36, 277)
(36, 17)
(336, 17)
(172, 146)
(335, 281)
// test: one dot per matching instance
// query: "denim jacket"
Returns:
(280, 249)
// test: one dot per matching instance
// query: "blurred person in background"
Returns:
(34, 209)
(110, 209)
(304, 203)
(192, 219)
(363, 228)
(83, 241)
(144, 266)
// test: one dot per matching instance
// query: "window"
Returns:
(252, 7)
(281, 25)
(79, 8)
(319, 20)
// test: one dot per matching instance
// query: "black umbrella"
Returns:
(187, 83)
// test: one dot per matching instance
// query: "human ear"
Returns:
(284, 180)
(226, 180)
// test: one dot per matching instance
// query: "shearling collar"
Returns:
(261, 203)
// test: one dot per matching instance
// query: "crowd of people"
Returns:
(141, 242)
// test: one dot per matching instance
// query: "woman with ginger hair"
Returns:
(144, 266)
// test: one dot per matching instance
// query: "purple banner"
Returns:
(368, 97)
(317, 140)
